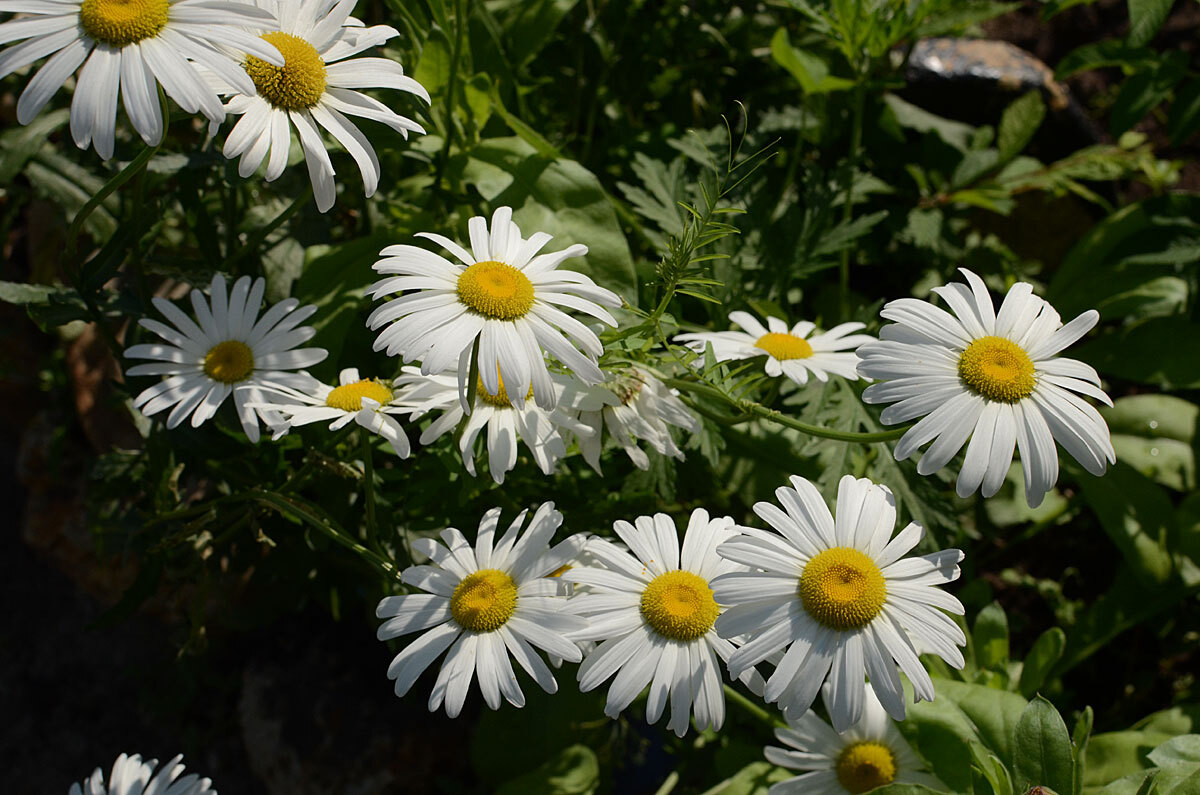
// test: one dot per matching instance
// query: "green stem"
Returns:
(124, 175)
(368, 454)
(856, 131)
(451, 87)
(668, 786)
(255, 240)
(754, 710)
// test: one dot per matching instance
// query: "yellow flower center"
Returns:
(997, 369)
(679, 605)
(121, 22)
(229, 362)
(842, 588)
(484, 601)
(495, 290)
(500, 399)
(864, 766)
(784, 346)
(299, 83)
(348, 397)
(560, 571)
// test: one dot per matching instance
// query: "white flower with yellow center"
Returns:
(654, 611)
(500, 294)
(540, 430)
(869, 754)
(368, 402)
(993, 378)
(634, 406)
(131, 776)
(840, 598)
(793, 352)
(131, 48)
(484, 605)
(315, 88)
(228, 349)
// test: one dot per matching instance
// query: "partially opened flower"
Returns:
(486, 605)
(500, 294)
(634, 406)
(993, 378)
(654, 611)
(794, 352)
(840, 598)
(540, 430)
(131, 776)
(368, 402)
(314, 90)
(131, 48)
(871, 753)
(227, 350)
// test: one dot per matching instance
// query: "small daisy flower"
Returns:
(869, 754)
(635, 406)
(841, 600)
(654, 612)
(227, 349)
(314, 89)
(540, 430)
(485, 605)
(500, 294)
(794, 353)
(365, 401)
(131, 776)
(131, 48)
(993, 378)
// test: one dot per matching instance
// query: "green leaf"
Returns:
(1185, 748)
(1079, 740)
(1043, 749)
(1138, 352)
(1138, 517)
(810, 71)
(1142, 92)
(433, 68)
(1045, 653)
(954, 133)
(523, 130)
(19, 144)
(1145, 18)
(992, 769)
(1113, 755)
(559, 197)
(531, 28)
(572, 771)
(1100, 54)
(20, 293)
(990, 637)
(1020, 121)
(1184, 119)
(753, 779)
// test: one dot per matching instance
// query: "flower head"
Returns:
(131, 776)
(994, 379)
(840, 597)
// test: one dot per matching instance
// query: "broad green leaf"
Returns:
(20, 293)
(1113, 755)
(1020, 121)
(1142, 92)
(1140, 352)
(1138, 517)
(531, 28)
(954, 133)
(992, 769)
(1100, 54)
(1145, 18)
(1185, 748)
(433, 69)
(1182, 719)
(1045, 653)
(990, 637)
(1043, 749)
(1183, 121)
(809, 70)
(18, 144)
(572, 771)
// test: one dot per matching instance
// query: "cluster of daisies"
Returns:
(281, 66)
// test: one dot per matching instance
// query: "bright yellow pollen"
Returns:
(484, 601)
(297, 85)
(348, 397)
(495, 290)
(784, 346)
(229, 362)
(121, 22)
(679, 605)
(864, 766)
(997, 369)
(560, 571)
(842, 588)
(500, 399)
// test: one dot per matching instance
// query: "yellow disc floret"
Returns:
(679, 605)
(864, 766)
(842, 588)
(784, 346)
(500, 399)
(495, 290)
(484, 601)
(997, 369)
(349, 397)
(118, 23)
(229, 362)
(299, 83)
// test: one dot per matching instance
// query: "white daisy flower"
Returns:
(634, 406)
(369, 402)
(131, 776)
(993, 378)
(869, 754)
(314, 88)
(484, 604)
(540, 430)
(131, 47)
(227, 349)
(498, 293)
(654, 612)
(794, 352)
(840, 598)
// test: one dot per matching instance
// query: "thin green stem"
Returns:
(368, 454)
(754, 710)
(451, 87)
(856, 131)
(124, 175)
(668, 785)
